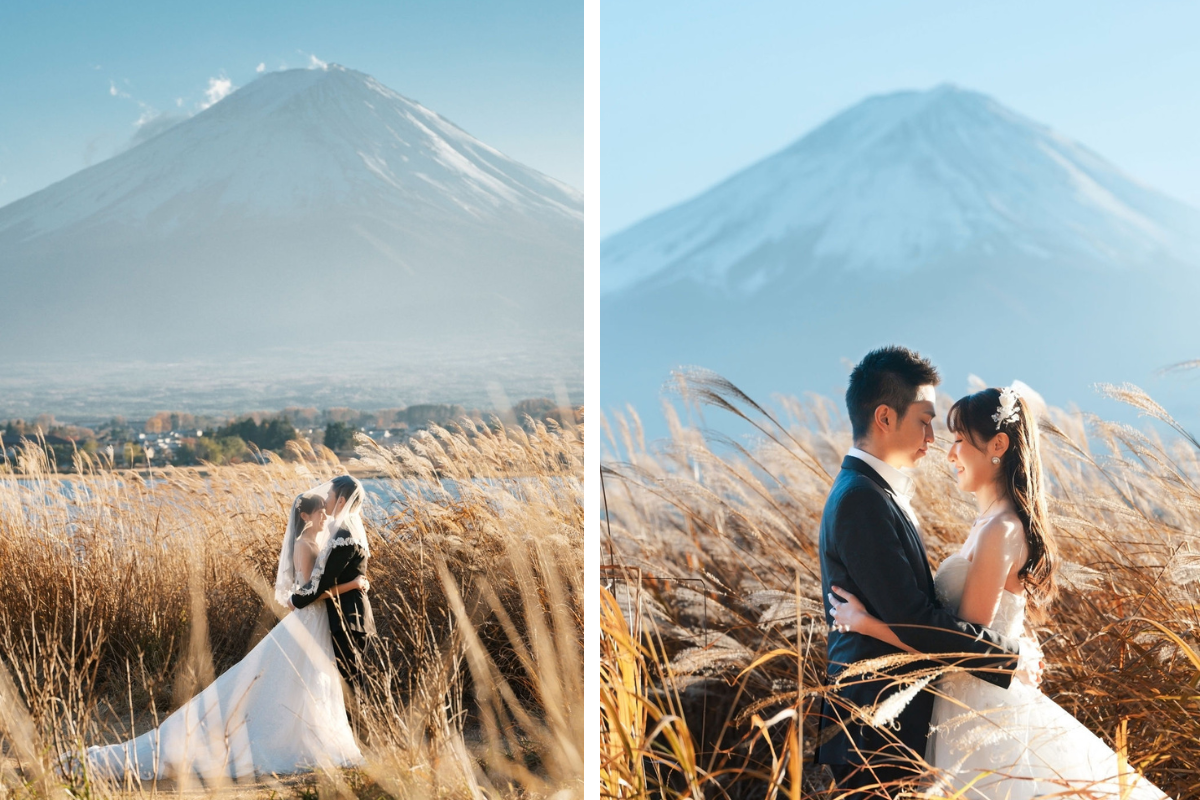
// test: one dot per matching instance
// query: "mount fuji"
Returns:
(938, 219)
(313, 214)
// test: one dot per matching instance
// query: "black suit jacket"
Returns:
(349, 611)
(870, 547)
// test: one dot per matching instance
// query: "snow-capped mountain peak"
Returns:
(289, 142)
(303, 187)
(900, 182)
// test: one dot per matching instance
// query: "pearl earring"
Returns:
(995, 459)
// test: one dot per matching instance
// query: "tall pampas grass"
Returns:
(718, 537)
(121, 595)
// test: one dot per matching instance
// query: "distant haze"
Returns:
(940, 220)
(313, 223)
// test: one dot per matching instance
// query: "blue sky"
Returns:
(79, 75)
(693, 91)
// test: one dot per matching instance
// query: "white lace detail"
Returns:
(315, 579)
(349, 519)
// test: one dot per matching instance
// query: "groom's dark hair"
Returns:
(888, 376)
(343, 487)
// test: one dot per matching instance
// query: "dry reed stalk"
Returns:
(740, 520)
(631, 751)
(121, 595)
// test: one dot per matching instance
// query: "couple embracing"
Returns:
(966, 701)
(281, 708)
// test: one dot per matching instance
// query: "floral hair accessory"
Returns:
(1008, 411)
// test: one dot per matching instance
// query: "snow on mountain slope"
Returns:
(288, 143)
(901, 181)
(939, 220)
(228, 231)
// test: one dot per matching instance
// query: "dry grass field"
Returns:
(122, 595)
(712, 647)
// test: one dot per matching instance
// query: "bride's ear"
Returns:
(999, 444)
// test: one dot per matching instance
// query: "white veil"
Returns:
(350, 517)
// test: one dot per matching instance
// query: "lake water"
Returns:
(384, 497)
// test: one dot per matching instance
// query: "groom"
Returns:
(350, 618)
(870, 544)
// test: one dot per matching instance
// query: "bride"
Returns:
(278, 710)
(987, 742)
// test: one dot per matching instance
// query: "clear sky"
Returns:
(78, 76)
(694, 90)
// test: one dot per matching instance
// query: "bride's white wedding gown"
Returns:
(278, 710)
(1033, 745)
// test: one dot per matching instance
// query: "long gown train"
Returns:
(278, 710)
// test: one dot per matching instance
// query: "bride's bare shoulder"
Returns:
(1003, 531)
(305, 547)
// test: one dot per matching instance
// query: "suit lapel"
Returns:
(913, 544)
(917, 545)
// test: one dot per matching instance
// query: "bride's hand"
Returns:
(1030, 663)
(849, 613)
(360, 583)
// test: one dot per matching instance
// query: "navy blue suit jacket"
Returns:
(349, 611)
(870, 547)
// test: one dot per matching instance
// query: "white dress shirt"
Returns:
(902, 485)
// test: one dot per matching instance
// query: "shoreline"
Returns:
(199, 471)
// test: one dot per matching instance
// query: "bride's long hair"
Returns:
(1021, 472)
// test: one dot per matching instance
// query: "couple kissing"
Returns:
(281, 708)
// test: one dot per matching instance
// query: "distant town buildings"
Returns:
(180, 438)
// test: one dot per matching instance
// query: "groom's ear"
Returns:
(886, 416)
